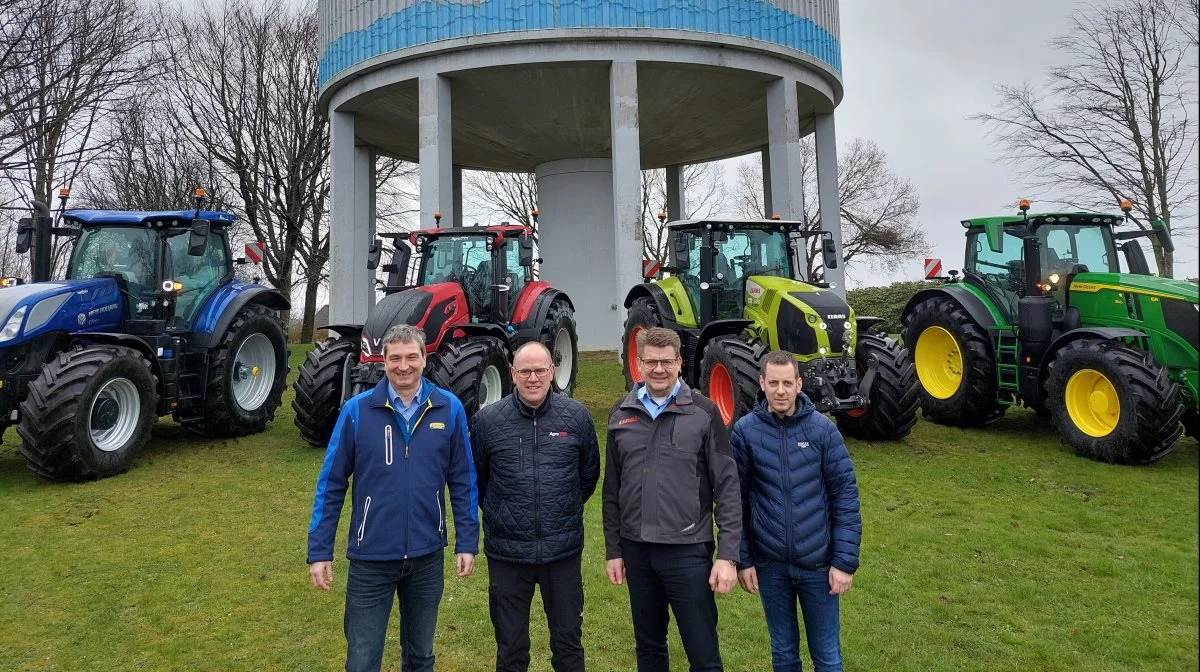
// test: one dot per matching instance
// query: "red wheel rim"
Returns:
(720, 390)
(631, 355)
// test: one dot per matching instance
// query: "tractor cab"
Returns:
(714, 260)
(492, 264)
(147, 251)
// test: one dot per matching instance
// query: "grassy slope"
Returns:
(983, 550)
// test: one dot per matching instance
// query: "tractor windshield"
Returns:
(744, 253)
(119, 251)
(464, 259)
(1065, 246)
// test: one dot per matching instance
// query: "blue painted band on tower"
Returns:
(430, 21)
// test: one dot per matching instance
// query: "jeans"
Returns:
(781, 586)
(510, 593)
(418, 583)
(675, 575)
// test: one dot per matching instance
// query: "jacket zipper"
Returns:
(537, 523)
(441, 515)
(787, 488)
(362, 527)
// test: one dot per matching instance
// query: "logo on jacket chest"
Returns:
(626, 421)
(802, 444)
(557, 434)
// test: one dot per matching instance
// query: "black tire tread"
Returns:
(642, 313)
(894, 397)
(458, 367)
(560, 311)
(318, 388)
(742, 361)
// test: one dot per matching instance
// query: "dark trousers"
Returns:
(370, 586)
(510, 593)
(674, 575)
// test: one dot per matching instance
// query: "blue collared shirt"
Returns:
(408, 411)
(652, 407)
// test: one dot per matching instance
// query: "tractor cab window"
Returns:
(515, 275)
(742, 254)
(200, 275)
(1065, 246)
(118, 251)
(1003, 272)
(465, 260)
(690, 277)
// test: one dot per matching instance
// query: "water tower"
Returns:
(585, 93)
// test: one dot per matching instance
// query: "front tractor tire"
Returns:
(322, 386)
(643, 315)
(894, 396)
(1112, 403)
(246, 375)
(954, 363)
(729, 376)
(559, 335)
(88, 413)
(475, 370)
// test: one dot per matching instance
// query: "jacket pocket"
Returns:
(362, 526)
(441, 514)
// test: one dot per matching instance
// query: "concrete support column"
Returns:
(766, 171)
(828, 197)
(676, 196)
(350, 292)
(436, 156)
(783, 178)
(457, 188)
(626, 194)
(364, 211)
(576, 242)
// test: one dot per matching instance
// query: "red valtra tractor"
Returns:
(475, 296)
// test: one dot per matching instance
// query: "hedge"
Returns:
(886, 302)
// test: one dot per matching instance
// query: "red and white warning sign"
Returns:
(650, 268)
(255, 251)
(933, 268)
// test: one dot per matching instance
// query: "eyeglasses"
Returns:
(655, 363)
(525, 373)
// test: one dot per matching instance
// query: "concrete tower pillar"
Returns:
(828, 197)
(351, 192)
(436, 156)
(626, 191)
(676, 198)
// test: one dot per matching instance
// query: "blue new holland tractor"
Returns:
(148, 321)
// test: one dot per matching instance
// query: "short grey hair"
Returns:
(779, 358)
(403, 333)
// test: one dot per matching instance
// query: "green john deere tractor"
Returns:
(1043, 316)
(731, 297)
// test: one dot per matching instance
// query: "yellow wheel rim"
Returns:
(1092, 403)
(939, 362)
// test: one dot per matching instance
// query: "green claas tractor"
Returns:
(1043, 316)
(731, 297)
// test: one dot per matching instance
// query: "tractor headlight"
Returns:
(823, 350)
(1054, 278)
(847, 326)
(12, 328)
(11, 282)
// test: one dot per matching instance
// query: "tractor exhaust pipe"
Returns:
(42, 240)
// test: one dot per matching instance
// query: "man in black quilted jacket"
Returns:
(537, 461)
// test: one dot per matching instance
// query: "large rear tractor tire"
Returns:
(894, 396)
(729, 376)
(1112, 403)
(643, 315)
(88, 413)
(322, 386)
(1191, 423)
(954, 363)
(246, 375)
(559, 335)
(475, 370)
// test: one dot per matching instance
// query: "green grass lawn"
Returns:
(992, 549)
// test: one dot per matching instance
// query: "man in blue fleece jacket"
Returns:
(404, 441)
(801, 522)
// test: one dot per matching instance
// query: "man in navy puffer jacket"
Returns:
(801, 522)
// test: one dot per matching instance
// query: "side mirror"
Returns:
(525, 253)
(398, 271)
(679, 254)
(829, 253)
(1135, 258)
(1164, 235)
(24, 235)
(373, 253)
(198, 238)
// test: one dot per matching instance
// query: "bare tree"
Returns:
(1112, 122)
(704, 195)
(505, 196)
(242, 80)
(878, 208)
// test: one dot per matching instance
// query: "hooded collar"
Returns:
(682, 403)
(529, 411)
(379, 396)
(804, 407)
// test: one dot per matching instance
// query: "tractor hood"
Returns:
(435, 307)
(27, 311)
(1143, 284)
(804, 319)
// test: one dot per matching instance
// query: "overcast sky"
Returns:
(914, 72)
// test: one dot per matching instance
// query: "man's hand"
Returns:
(321, 574)
(749, 580)
(839, 581)
(722, 576)
(465, 563)
(616, 571)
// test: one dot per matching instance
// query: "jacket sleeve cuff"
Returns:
(843, 566)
